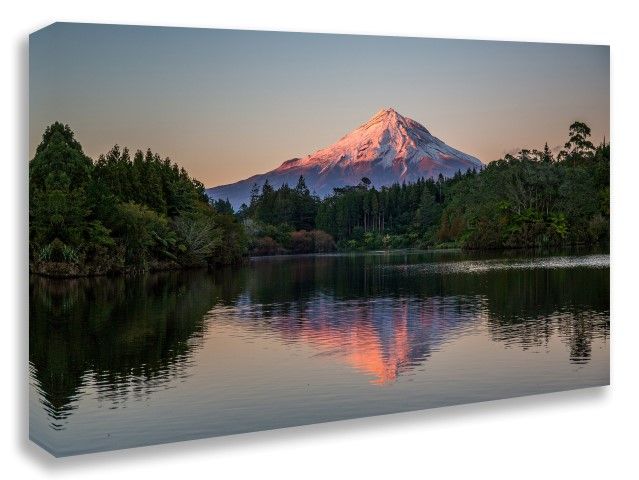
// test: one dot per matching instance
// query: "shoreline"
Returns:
(126, 272)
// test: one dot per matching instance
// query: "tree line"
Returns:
(129, 212)
(531, 199)
(122, 213)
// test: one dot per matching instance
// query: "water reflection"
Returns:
(381, 337)
(382, 315)
(128, 336)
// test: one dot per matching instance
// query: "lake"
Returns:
(282, 341)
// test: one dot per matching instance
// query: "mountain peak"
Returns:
(388, 148)
(391, 125)
(387, 114)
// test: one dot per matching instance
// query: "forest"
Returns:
(532, 199)
(138, 212)
(122, 213)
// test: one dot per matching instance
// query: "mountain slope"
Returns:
(389, 148)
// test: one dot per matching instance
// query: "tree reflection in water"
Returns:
(132, 336)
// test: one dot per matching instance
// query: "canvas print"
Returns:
(233, 231)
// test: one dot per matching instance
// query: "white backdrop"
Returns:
(581, 434)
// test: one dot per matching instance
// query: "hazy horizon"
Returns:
(228, 104)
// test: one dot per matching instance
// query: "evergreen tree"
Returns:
(119, 213)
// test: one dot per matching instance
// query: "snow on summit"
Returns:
(388, 148)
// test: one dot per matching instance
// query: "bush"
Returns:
(323, 242)
(143, 232)
(196, 239)
(301, 242)
(267, 246)
(372, 241)
(316, 241)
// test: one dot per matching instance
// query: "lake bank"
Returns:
(63, 270)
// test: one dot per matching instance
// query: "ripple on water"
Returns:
(480, 266)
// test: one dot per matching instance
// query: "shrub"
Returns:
(323, 242)
(143, 232)
(196, 239)
(267, 246)
(302, 242)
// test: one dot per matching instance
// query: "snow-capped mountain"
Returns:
(387, 149)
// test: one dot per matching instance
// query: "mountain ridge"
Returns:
(388, 148)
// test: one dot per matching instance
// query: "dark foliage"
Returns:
(283, 221)
(527, 200)
(143, 212)
(121, 213)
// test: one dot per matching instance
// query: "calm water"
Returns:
(121, 362)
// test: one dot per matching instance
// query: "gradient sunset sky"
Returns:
(227, 104)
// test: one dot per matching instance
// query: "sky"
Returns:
(227, 104)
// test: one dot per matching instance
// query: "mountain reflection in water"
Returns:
(381, 337)
(382, 315)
